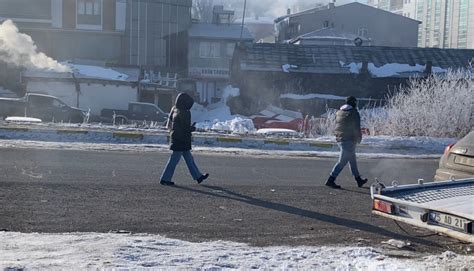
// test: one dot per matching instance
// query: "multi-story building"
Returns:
(148, 33)
(445, 23)
(382, 28)
(156, 33)
(395, 6)
(71, 29)
(211, 48)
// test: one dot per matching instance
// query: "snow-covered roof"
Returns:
(328, 33)
(89, 72)
(219, 31)
(334, 59)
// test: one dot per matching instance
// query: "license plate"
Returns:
(449, 221)
(464, 161)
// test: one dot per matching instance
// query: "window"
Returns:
(209, 49)
(230, 49)
(89, 13)
(363, 32)
(26, 9)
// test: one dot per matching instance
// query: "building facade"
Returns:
(445, 23)
(156, 33)
(71, 29)
(125, 32)
(357, 19)
(211, 48)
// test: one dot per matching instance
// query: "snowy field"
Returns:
(99, 251)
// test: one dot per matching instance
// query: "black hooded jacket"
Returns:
(348, 124)
(180, 118)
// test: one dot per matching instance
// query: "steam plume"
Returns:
(19, 49)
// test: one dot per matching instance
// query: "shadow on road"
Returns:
(352, 224)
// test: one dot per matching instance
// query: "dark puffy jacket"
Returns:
(181, 128)
(348, 124)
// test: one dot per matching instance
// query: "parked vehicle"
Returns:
(458, 160)
(136, 112)
(44, 107)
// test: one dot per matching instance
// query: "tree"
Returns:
(202, 10)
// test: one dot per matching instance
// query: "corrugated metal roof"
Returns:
(219, 31)
(328, 59)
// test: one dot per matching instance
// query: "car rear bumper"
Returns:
(443, 174)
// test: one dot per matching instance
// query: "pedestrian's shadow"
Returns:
(220, 192)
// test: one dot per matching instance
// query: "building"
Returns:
(445, 24)
(90, 87)
(308, 76)
(156, 33)
(395, 6)
(331, 36)
(71, 29)
(211, 47)
(355, 18)
(126, 32)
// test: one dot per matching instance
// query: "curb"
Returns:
(81, 135)
(127, 135)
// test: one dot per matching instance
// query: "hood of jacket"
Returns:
(346, 107)
(184, 101)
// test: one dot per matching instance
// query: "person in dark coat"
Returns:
(179, 124)
(348, 135)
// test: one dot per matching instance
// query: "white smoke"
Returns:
(19, 49)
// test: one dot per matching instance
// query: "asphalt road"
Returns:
(257, 200)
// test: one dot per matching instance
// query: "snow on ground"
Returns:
(390, 69)
(315, 96)
(265, 150)
(22, 120)
(218, 116)
(107, 250)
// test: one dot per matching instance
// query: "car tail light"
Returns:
(448, 148)
(383, 206)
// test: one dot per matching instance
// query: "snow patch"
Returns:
(22, 120)
(98, 72)
(117, 251)
(390, 69)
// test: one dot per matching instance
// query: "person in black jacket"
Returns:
(348, 135)
(179, 124)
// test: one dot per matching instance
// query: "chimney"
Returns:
(288, 11)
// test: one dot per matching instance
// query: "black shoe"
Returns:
(361, 182)
(331, 183)
(202, 178)
(166, 183)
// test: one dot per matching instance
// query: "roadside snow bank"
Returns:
(98, 251)
(217, 117)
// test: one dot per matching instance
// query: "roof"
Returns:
(328, 33)
(218, 31)
(115, 74)
(330, 59)
(349, 5)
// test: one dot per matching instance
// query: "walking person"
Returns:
(179, 124)
(348, 135)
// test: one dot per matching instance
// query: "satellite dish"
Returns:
(358, 42)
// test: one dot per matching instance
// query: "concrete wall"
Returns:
(93, 96)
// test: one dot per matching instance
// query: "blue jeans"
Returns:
(347, 155)
(173, 162)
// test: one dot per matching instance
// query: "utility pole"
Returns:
(243, 21)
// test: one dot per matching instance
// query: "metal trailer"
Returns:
(444, 207)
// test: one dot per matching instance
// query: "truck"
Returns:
(136, 112)
(44, 107)
(445, 207)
